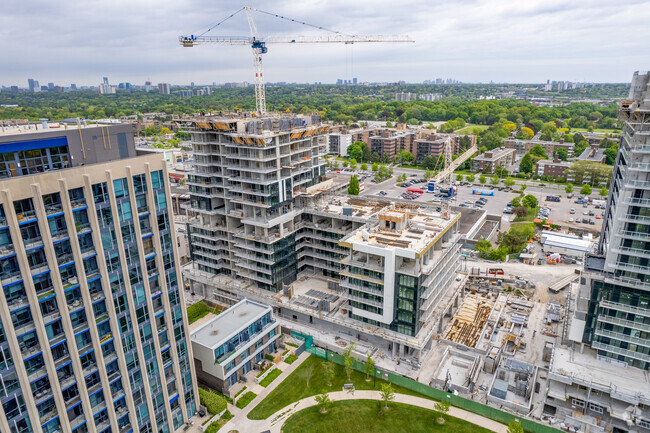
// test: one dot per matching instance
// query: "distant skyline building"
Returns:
(164, 88)
(33, 84)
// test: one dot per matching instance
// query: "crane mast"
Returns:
(258, 45)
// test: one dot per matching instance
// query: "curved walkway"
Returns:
(275, 422)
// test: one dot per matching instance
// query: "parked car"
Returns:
(570, 220)
(591, 213)
(592, 221)
(578, 220)
(572, 211)
(597, 217)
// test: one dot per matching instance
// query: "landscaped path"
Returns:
(275, 422)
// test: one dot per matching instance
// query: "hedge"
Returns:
(245, 399)
(212, 401)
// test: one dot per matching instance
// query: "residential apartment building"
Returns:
(553, 168)
(490, 160)
(398, 267)
(234, 344)
(247, 171)
(338, 144)
(92, 323)
(406, 96)
(389, 142)
(613, 306)
(523, 146)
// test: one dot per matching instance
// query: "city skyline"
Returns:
(470, 41)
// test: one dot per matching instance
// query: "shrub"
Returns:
(291, 359)
(196, 311)
(269, 357)
(270, 377)
(245, 399)
(212, 401)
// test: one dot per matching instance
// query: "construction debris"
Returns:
(468, 323)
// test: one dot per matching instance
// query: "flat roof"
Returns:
(564, 241)
(357, 206)
(586, 367)
(496, 154)
(215, 332)
(35, 128)
(424, 226)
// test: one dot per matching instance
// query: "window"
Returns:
(124, 209)
(156, 179)
(595, 408)
(100, 192)
(140, 183)
(121, 188)
(577, 403)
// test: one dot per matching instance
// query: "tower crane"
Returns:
(258, 44)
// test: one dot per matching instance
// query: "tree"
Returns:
(374, 157)
(515, 202)
(578, 137)
(355, 150)
(375, 166)
(482, 179)
(353, 188)
(401, 178)
(353, 164)
(568, 188)
(494, 180)
(604, 191)
(538, 151)
(389, 124)
(328, 372)
(585, 190)
(522, 187)
(369, 367)
(387, 394)
(525, 133)
(428, 174)
(521, 211)
(529, 201)
(429, 162)
(491, 140)
(404, 156)
(579, 148)
(348, 361)
(610, 154)
(482, 245)
(442, 407)
(526, 164)
(470, 178)
(345, 164)
(323, 401)
(309, 371)
(509, 182)
(515, 427)
(459, 177)
(364, 166)
(501, 171)
(562, 154)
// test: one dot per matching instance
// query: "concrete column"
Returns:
(394, 347)
(401, 351)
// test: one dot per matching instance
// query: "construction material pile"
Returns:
(468, 323)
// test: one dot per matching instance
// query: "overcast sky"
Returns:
(529, 41)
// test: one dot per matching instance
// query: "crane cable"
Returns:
(221, 22)
(295, 21)
(273, 15)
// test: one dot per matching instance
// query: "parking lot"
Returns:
(559, 212)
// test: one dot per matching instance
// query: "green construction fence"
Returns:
(420, 388)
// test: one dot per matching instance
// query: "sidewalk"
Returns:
(240, 419)
(275, 422)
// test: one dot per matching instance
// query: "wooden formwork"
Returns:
(467, 324)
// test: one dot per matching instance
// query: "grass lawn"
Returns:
(606, 131)
(199, 310)
(270, 377)
(291, 359)
(295, 387)
(469, 128)
(215, 426)
(363, 416)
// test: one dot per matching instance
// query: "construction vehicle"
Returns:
(258, 44)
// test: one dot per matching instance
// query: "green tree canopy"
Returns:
(529, 201)
(353, 187)
(526, 164)
(586, 189)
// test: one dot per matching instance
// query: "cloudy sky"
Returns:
(527, 41)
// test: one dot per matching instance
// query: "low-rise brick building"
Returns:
(488, 161)
(523, 146)
(553, 168)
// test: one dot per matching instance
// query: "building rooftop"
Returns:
(494, 154)
(551, 162)
(628, 383)
(404, 227)
(558, 240)
(215, 332)
(32, 128)
(590, 154)
(352, 206)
